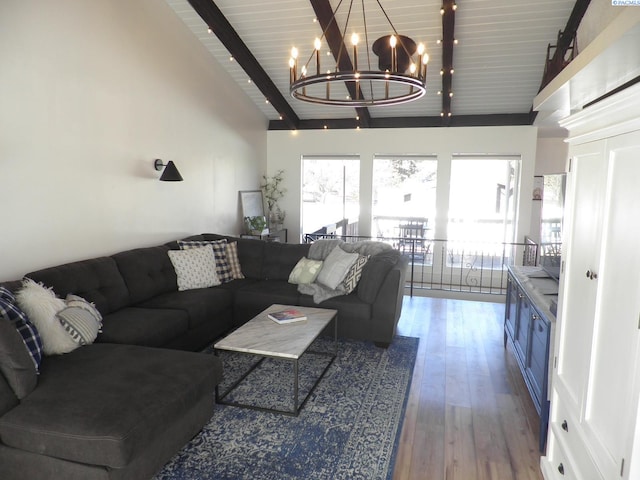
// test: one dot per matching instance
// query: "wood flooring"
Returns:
(469, 415)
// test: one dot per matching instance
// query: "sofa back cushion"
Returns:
(281, 258)
(373, 274)
(251, 256)
(97, 280)
(147, 272)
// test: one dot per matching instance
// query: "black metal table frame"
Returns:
(220, 398)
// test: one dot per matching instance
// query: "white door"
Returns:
(611, 402)
(581, 251)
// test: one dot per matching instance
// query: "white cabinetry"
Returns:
(595, 385)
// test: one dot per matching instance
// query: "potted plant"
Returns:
(256, 225)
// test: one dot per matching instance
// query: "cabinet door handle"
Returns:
(565, 426)
(520, 295)
(540, 328)
(591, 275)
(534, 316)
(561, 469)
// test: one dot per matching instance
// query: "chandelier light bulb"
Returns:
(294, 52)
(317, 44)
(425, 58)
(454, 7)
(421, 49)
(393, 41)
(355, 39)
(292, 63)
(442, 11)
(412, 68)
(451, 71)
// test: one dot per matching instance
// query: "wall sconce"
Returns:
(170, 174)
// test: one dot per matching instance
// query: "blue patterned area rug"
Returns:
(348, 429)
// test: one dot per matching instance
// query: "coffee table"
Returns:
(265, 338)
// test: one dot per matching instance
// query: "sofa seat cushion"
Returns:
(103, 404)
(202, 304)
(271, 291)
(255, 297)
(152, 327)
(354, 318)
(351, 308)
(234, 285)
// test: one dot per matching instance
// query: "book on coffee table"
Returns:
(288, 315)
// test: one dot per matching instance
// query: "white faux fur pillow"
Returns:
(41, 306)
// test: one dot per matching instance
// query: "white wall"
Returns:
(90, 93)
(285, 149)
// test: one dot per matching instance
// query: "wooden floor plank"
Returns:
(469, 415)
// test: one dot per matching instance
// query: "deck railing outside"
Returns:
(453, 265)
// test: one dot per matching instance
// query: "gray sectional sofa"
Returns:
(121, 407)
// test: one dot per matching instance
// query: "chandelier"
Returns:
(399, 78)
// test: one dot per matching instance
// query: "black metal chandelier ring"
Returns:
(416, 88)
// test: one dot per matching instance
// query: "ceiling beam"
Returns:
(217, 22)
(448, 27)
(492, 120)
(335, 40)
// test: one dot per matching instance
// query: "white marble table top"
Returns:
(263, 336)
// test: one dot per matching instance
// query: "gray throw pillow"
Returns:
(15, 362)
(335, 267)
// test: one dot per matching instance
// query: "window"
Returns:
(482, 198)
(330, 194)
(404, 189)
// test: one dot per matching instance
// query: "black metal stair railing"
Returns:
(453, 265)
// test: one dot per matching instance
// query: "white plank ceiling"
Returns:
(499, 59)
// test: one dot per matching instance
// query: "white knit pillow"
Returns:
(195, 267)
(41, 306)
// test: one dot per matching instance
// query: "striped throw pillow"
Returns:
(80, 324)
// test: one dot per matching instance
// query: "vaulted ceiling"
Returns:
(498, 58)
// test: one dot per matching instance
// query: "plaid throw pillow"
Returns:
(30, 336)
(223, 269)
(234, 262)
